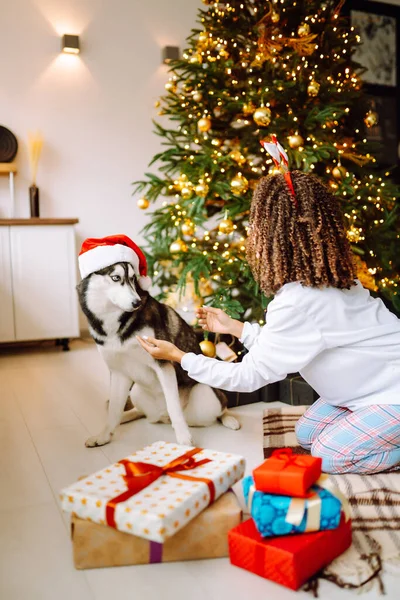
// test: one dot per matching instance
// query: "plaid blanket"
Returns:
(374, 501)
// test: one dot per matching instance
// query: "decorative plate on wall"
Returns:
(8, 145)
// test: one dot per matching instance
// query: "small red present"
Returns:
(287, 474)
(289, 560)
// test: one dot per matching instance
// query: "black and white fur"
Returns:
(117, 310)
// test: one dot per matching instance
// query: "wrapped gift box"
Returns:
(276, 514)
(287, 473)
(205, 537)
(287, 560)
(154, 492)
(297, 392)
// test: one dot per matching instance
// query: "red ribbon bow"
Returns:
(140, 475)
(286, 456)
(279, 462)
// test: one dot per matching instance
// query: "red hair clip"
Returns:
(281, 161)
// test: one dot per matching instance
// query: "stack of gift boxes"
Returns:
(164, 503)
(168, 502)
(288, 495)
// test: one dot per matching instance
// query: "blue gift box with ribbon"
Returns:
(283, 515)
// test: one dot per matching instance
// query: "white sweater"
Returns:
(344, 343)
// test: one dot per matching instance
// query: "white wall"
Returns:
(94, 110)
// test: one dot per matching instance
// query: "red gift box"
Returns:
(289, 560)
(287, 474)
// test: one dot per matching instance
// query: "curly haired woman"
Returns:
(321, 323)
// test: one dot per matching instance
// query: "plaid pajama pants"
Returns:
(362, 441)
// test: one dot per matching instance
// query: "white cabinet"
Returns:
(37, 281)
(7, 331)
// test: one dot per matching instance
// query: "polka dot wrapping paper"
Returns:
(272, 512)
(182, 482)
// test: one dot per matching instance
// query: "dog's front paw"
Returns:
(184, 437)
(98, 440)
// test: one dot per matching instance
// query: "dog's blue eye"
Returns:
(116, 278)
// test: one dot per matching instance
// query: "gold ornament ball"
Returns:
(197, 96)
(275, 16)
(313, 88)
(171, 86)
(239, 184)
(303, 30)
(248, 108)
(181, 182)
(201, 189)
(203, 37)
(262, 116)
(196, 59)
(371, 118)
(237, 156)
(216, 142)
(204, 124)
(295, 141)
(208, 348)
(188, 228)
(339, 172)
(143, 203)
(186, 192)
(177, 246)
(226, 226)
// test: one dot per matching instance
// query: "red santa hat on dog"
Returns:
(99, 253)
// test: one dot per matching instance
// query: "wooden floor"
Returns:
(50, 402)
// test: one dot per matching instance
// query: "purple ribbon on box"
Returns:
(155, 552)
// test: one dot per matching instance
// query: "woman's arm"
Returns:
(285, 345)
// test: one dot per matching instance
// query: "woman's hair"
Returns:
(305, 243)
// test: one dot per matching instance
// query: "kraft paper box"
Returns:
(154, 492)
(205, 537)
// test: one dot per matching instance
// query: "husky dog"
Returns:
(117, 310)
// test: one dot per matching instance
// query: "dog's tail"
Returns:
(227, 419)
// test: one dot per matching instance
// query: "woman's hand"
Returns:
(214, 319)
(217, 321)
(160, 349)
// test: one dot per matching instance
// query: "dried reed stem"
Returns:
(35, 145)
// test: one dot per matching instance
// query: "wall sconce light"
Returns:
(70, 44)
(170, 53)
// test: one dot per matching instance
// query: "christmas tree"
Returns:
(255, 68)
